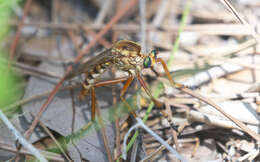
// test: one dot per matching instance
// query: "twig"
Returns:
(117, 126)
(103, 12)
(44, 94)
(48, 155)
(157, 151)
(103, 132)
(221, 70)
(204, 29)
(174, 133)
(160, 15)
(30, 99)
(229, 50)
(35, 71)
(21, 139)
(74, 41)
(18, 32)
(211, 103)
(142, 8)
(54, 139)
(240, 18)
(114, 93)
(158, 138)
(102, 41)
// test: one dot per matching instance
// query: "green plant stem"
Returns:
(181, 28)
(159, 88)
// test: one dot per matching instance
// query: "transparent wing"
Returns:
(104, 56)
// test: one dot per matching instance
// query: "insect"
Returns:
(125, 55)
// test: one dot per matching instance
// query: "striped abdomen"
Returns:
(91, 77)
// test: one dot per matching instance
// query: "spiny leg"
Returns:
(127, 84)
(176, 85)
(93, 103)
(93, 95)
(104, 134)
(110, 82)
(156, 102)
(93, 99)
(94, 107)
(147, 90)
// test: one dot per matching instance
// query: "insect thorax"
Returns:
(128, 60)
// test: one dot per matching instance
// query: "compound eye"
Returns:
(154, 53)
(147, 62)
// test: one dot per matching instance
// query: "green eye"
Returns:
(154, 52)
(147, 62)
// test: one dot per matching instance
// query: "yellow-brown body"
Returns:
(124, 55)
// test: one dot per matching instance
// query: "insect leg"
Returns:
(176, 85)
(93, 103)
(110, 82)
(156, 102)
(127, 84)
(147, 90)
(93, 94)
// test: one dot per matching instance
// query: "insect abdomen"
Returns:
(91, 78)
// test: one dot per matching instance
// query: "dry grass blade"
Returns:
(103, 12)
(21, 139)
(156, 152)
(48, 155)
(236, 121)
(157, 137)
(18, 32)
(104, 135)
(102, 41)
(240, 18)
(117, 151)
(55, 141)
(174, 133)
(142, 10)
(203, 29)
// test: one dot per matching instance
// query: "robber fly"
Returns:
(125, 55)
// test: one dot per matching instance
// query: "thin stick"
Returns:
(18, 32)
(21, 139)
(54, 139)
(49, 155)
(104, 135)
(142, 11)
(44, 94)
(240, 18)
(208, 29)
(30, 69)
(174, 133)
(116, 117)
(211, 103)
(102, 41)
(158, 138)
